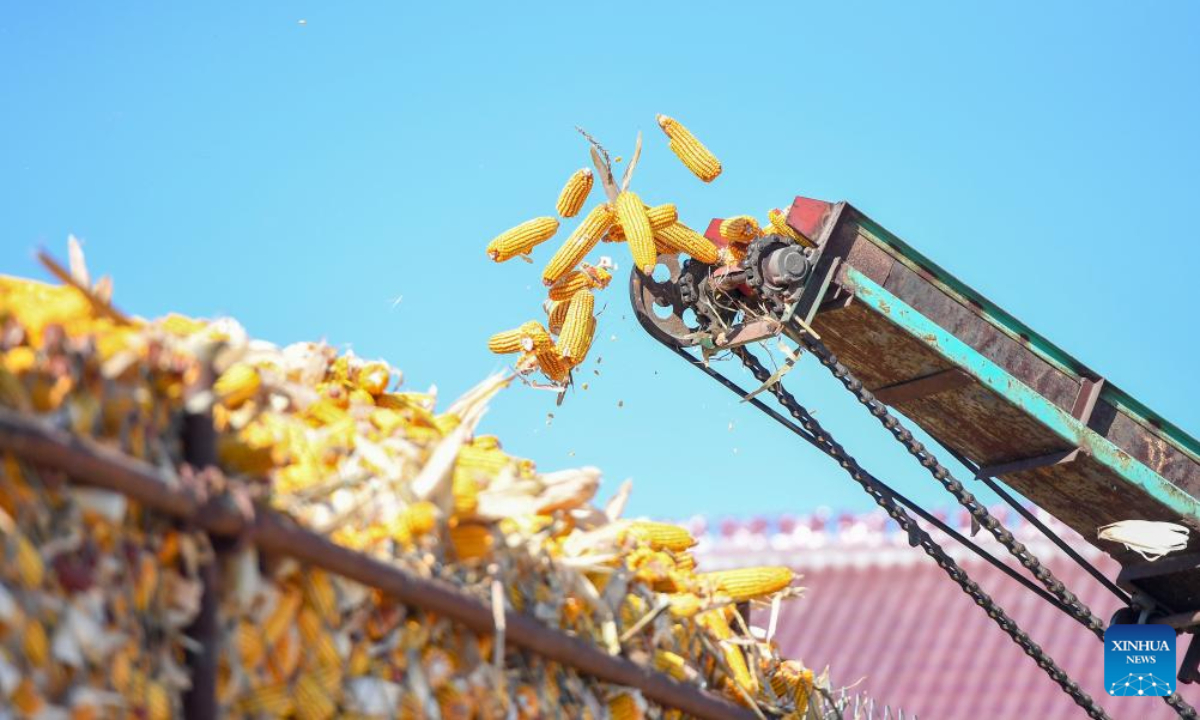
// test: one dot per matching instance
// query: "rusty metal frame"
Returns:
(89, 463)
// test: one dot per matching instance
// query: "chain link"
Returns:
(917, 536)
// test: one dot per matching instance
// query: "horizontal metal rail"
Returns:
(90, 463)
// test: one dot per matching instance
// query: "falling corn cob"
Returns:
(521, 239)
(587, 276)
(660, 536)
(780, 225)
(660, 216)
(530, 336)
(553, 365)
(576, 335)
(556, 311)
(747, 583)
(794, 681)
(581, 242)
(691, 151)
(740, 229)
(681, 238)
(631, 214)
(574, 193)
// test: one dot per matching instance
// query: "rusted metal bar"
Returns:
(200, 700)
(1055, 458)
(923, 386)
(1085, 401)
(89, 463)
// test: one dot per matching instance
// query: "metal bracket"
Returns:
(923, 386)
(1061, 457)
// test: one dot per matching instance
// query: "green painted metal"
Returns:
(1022, 396)
(912, 258)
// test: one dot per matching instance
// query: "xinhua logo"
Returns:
(1139, 660)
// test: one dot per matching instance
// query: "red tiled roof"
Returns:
(878, 610)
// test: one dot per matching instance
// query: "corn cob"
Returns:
(31, 570)
(250, 644)
(660, 216)
(635, 224)
(681, 238)
(685, 605)
(528, 337)
(312, 702)
(660, 536)
(714, 621)
(521, 239)
(691, 151)
(581, 242)
(471, 541)
(576, 335)
(747, 583)
(374, 378)
(587, 276)
(237, 385)
(624, 707)
(553, 365)
(780, 225)
(793, 680)
(412, 522)
(574, 193)
(556, 312)
(273, 700)
(36, 646)
(740, 229)
(671, 664)
(282, 615)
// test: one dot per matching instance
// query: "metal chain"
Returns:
(1075, 607)
(917, 536)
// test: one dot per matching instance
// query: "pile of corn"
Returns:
(561, 344)
(332, 440)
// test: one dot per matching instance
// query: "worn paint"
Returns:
(1023, 397)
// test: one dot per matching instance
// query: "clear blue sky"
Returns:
(224, 158)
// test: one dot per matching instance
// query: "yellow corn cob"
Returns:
(30, 568)
(522, 239)
(312, 703)
(250, 644)
(374, 378)
(586, 277)
(465, 490)
(685, 605)
(681, 238)
(237, 385)
(624, 707)
(574, 193)
(486, 442)
(320, 594)
(36, 646)
(635, 224)
(26, 698)
(791, 679)
(747, 583)
(780, 225)
(529, 336)
(284, 657)
(691, 151)
(282, 615)
(577, 330)
(274, 700)
(714, 621)
(557, 312)
(685, 561)
(454, 704)
(155, 701)
(740, 229)
(146, 582)
(412, 522)
(731, 254)
(660, 216)
(553, 365)
(660, 536)
(471, 541)
(581, 242)
(670, 663)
